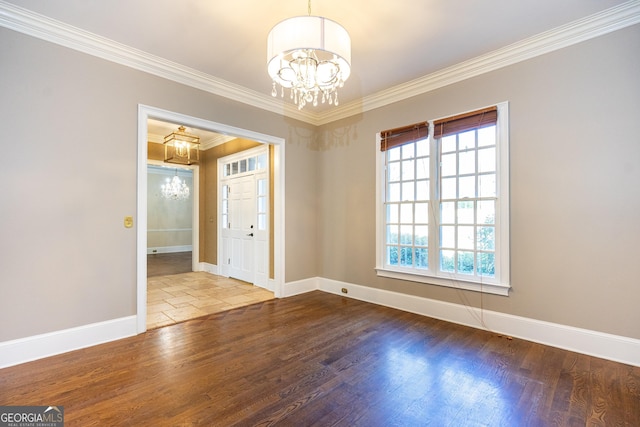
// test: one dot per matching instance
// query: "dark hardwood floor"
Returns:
(325, 360)
(167, 264)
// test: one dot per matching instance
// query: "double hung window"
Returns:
(443, 201)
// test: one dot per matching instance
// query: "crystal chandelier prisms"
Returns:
(175, 189)
(311, 56)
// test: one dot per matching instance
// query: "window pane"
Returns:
(467, 162)
(408, 191)
(486, 212)
(487, 136)
(408, 170)
(486, 264)
(393, 154)
(422, 213)
(422, 168)
(225, 206)
(465, 262)
(392, 213)
(262, 222)
(467, 140)
(446, 261)
(408, 150)
(252, 163)
(465, 213)
(225, 191)
(406, 213)
(406, 258)
(422, 147)
(243, 165)
(422, 258)
(447, 236)
(487, 185)
(422, 190)
(466, 237)
(394, 193)
(262, 204)
(406, 234)
(467, 187)
(486, 238)
(262, 187)
(448, 144)
(422, 235)
(394, 171)
(448, 167)
(487, 160)
(448, 188)
(392, 255)
(225, 222)
(447, 213)
(234, 168)
(392, 234)
(262, 161)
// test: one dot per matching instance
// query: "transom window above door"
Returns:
(249, 164)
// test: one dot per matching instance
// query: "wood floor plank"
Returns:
(324, 360)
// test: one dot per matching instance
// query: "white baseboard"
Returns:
(169, 249)
(607, 346)
(300, 287)
(209, 268)
(39, 346)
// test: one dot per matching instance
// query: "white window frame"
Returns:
(500, 284)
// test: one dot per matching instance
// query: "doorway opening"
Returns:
(171, 229)
(276, 146)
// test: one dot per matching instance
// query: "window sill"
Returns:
(456, 283)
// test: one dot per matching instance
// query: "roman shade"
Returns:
(467, 121)
(399, 136)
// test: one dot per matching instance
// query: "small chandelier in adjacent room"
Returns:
(175, 188)
(311, 56)
(181, 147)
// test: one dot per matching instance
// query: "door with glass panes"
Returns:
(244, 218)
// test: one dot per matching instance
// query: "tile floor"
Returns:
(179, 297)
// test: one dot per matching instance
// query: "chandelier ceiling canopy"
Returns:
(311, 56)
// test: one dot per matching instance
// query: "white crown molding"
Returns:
(25, 21)
(609, 20)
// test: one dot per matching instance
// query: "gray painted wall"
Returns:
(575, 185)
(66, 259)
(70, 122)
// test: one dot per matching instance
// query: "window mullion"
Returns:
(434, 203)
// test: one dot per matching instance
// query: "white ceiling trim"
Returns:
(615, 18)
(25, 21)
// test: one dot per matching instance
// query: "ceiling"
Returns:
(393, 42)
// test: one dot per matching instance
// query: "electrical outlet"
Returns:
(345, 291)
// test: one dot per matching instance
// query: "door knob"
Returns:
(250, 234)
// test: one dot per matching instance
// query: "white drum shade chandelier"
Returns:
(311, 56)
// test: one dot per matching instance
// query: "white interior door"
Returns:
(241, 228)
(244, 217)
